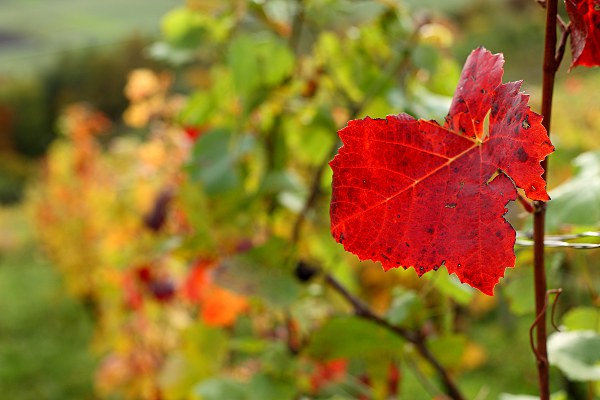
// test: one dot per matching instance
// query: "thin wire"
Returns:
(556, 243)
(560, 240)
(572, 236)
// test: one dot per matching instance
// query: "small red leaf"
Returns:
(585, 31)
(412, 193)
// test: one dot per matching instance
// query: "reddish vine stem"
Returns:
(550, 67)
(418, 340)
(526, 204)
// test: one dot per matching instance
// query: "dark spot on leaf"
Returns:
(495, 108)
(389, 250)
(483, 91)
(342, 237)
(385, 257)
(407, 245)
(498, 234)
(436, 267)
(364, 182)
(522, 155)
(422, 270)
(430, 230)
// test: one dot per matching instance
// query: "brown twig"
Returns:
(417, 340)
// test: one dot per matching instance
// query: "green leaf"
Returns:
(202, 350)
(352, 337)
(520, 282)
(220, 388)
(265, 387)
(214, 160)
(576, 354)
(258, 62)
(199, 108)
(275, 60)
(310, 136)
(243, 62)
(452, 287)
(278, 362)
(582, 319)
(405, 308)
(448, 349)
(445, 78)
(577, 201)
(263, 271)
(182, 27)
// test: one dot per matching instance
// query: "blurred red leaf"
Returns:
(328, 372)
(194, 132)
(219, 306)
(585, 32)
(412, 193)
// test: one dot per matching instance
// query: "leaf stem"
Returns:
(550, 66)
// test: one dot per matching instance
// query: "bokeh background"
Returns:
(164, 192)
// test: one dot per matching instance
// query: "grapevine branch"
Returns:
(418, 340)
(550, 66)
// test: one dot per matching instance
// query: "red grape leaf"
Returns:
(412, 193)
(585, 31)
